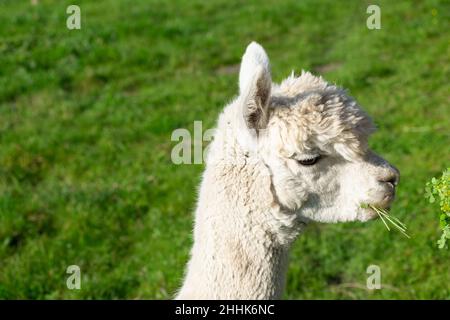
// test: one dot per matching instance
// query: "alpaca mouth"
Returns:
(384, 203)
(370, 213)
(373, 214)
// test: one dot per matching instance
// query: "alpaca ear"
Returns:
(255, 83)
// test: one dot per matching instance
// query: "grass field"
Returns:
(86, 118)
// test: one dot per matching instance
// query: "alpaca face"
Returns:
(313, 138)
(326, 186)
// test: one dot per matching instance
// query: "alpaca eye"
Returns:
(309, 162)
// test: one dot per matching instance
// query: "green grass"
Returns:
(86, 118)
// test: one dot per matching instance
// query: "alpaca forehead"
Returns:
(320, 116)
(321, 113)
(298, 135)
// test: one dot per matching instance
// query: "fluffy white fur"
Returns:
(258, 193)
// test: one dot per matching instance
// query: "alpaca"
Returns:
(283, 155)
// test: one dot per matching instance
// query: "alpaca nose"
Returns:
(392, 176)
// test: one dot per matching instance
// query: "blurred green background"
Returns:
(86, 118)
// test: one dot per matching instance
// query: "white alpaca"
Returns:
(282, 155)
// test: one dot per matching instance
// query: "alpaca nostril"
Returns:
(391, 178)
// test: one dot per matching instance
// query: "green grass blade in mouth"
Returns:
(383, 214)
(399, 222)
(393, 222)
(382, 219)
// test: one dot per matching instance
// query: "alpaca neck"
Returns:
(241, 237)
(235, 267)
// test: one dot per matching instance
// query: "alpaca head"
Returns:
(313, 139)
